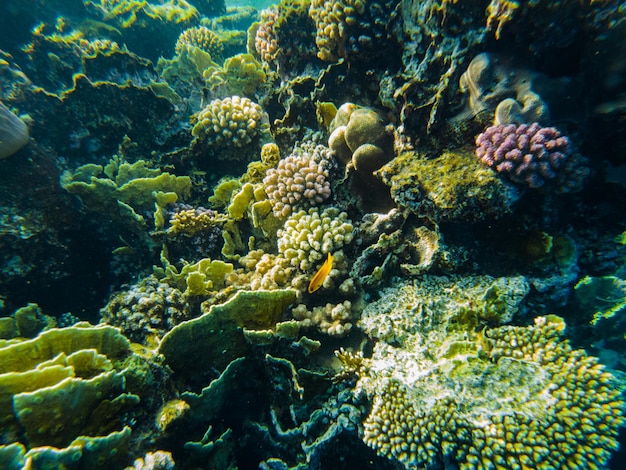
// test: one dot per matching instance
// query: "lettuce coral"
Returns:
(61, 392)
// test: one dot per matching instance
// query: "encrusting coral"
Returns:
(506, 397)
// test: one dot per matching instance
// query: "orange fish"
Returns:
(321, 274)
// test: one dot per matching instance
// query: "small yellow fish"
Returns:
(321, 274)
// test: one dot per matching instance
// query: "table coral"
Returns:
(299, 181)
(509, 396)
(531, 155)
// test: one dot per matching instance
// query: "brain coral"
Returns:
(232, 122)
(526, 154)
(508, 397)
(203, 38)
(299, 180)
(308, 236)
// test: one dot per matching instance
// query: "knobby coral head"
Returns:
(527, 154)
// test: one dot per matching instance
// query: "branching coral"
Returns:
(512, 397)
(530, 155)
(231, 122)
(203, 38)
(299, 181)
(308, 236)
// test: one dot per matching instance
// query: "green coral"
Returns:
(62, 394)
(187, 66)
(507, 397)
(197, 279)
(240, 75)
(124, 191)
(213, 340)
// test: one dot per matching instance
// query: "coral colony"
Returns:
(526, 154)
(331, 234)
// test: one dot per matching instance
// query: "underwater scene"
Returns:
(312, 234)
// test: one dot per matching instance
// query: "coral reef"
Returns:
(231, 123)
(308, 235)
(64, 397)
(544, 404)
(216, 208)
(202, 38)
(531, 155)
(299, 181)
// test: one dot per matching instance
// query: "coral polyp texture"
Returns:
(232, 122)
(527, 154)
(506, 397)
(299, 180)
(202, 38)
(151, 307)
(265, 40)
(307, 236)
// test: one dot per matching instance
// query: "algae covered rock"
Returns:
(453, 186)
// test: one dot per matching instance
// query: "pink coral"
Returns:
(527, 154)
(299, 180)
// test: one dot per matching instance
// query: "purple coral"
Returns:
(299, 181)
(527, 154)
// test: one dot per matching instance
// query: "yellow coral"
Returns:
(233, 121)
(203, 38)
